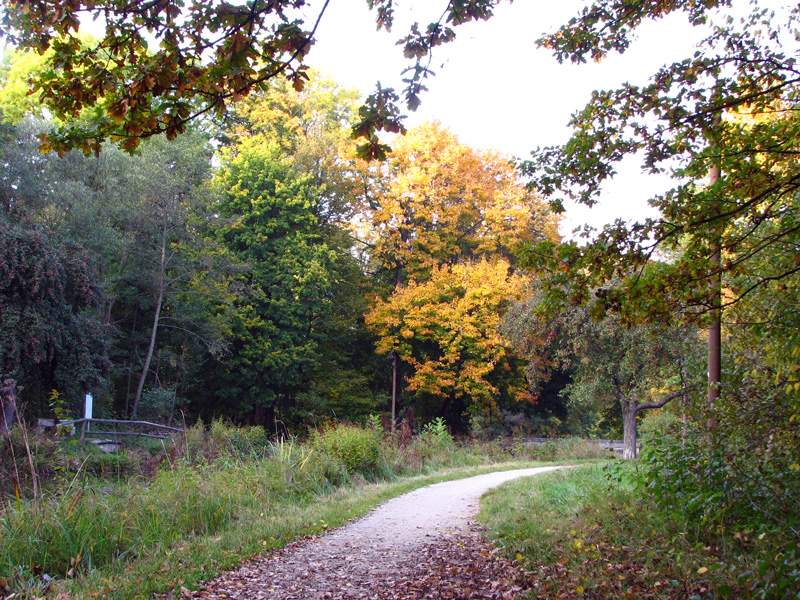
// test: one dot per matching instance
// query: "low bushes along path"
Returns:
(424, 544)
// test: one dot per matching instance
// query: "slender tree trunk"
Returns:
(154, 330)
(715, 329)
(148, 359)
(8, 404)
(394, 391)
(398, 281)
(629, 428)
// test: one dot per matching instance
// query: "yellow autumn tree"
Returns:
(437, 201)
(446, 329)
(443, 222)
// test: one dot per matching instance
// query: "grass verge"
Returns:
(183, 563)
(190, 510)
(581, 534)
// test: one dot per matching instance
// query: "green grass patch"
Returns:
(254, 528)
(584, 533)
(150, 521)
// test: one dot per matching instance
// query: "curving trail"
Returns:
(423, 544)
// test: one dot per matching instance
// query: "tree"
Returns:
(168, 180)
(208, 55)
(151, 229)
(437, 204)
(124, 211)
(268, 221)
(311, 129)
(437, 201)
(15, 71)
(638, 367)
(727, 116)
(204, 57)
(50, 333)
(446, 328)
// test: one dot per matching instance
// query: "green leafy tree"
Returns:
(15, 70)
(141, 220)
(268, 222)
(51, 336)
(637, 367)
(729, 107)
(312, 128)
(167, 184)
(724, 124)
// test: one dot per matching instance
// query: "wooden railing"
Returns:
(615, 445)
(86, 429)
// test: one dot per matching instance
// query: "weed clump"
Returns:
(357, 448)
(99, 513)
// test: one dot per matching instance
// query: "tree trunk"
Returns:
(629, 428)
(154, 330)
(8, 404)
(398, 281)
(394, 390)
(715, 329)
(148, 359)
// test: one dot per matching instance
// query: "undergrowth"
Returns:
(595, 532)
(143, 522)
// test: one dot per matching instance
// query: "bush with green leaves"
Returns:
(717, 486)
(435, 441)
(358, 448)
(657, 424)
(238, 441)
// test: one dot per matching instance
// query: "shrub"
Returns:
(358, 448)
(657, 424)
(435, 442)
(240, 442)
(716, 487)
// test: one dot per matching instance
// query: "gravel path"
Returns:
(423, 544)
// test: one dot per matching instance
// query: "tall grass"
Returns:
(588, 532)
(209, 486)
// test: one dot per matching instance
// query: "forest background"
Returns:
(275, 259)
(251, 267)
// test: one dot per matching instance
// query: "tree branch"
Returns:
(665, 400)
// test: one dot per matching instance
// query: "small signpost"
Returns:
(88, 406)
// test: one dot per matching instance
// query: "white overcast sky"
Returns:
(494, 88)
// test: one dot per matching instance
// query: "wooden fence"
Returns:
(615, 445)
(147, 426)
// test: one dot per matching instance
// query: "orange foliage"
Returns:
(447, 329)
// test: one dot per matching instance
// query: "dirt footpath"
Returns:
(423, 544)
